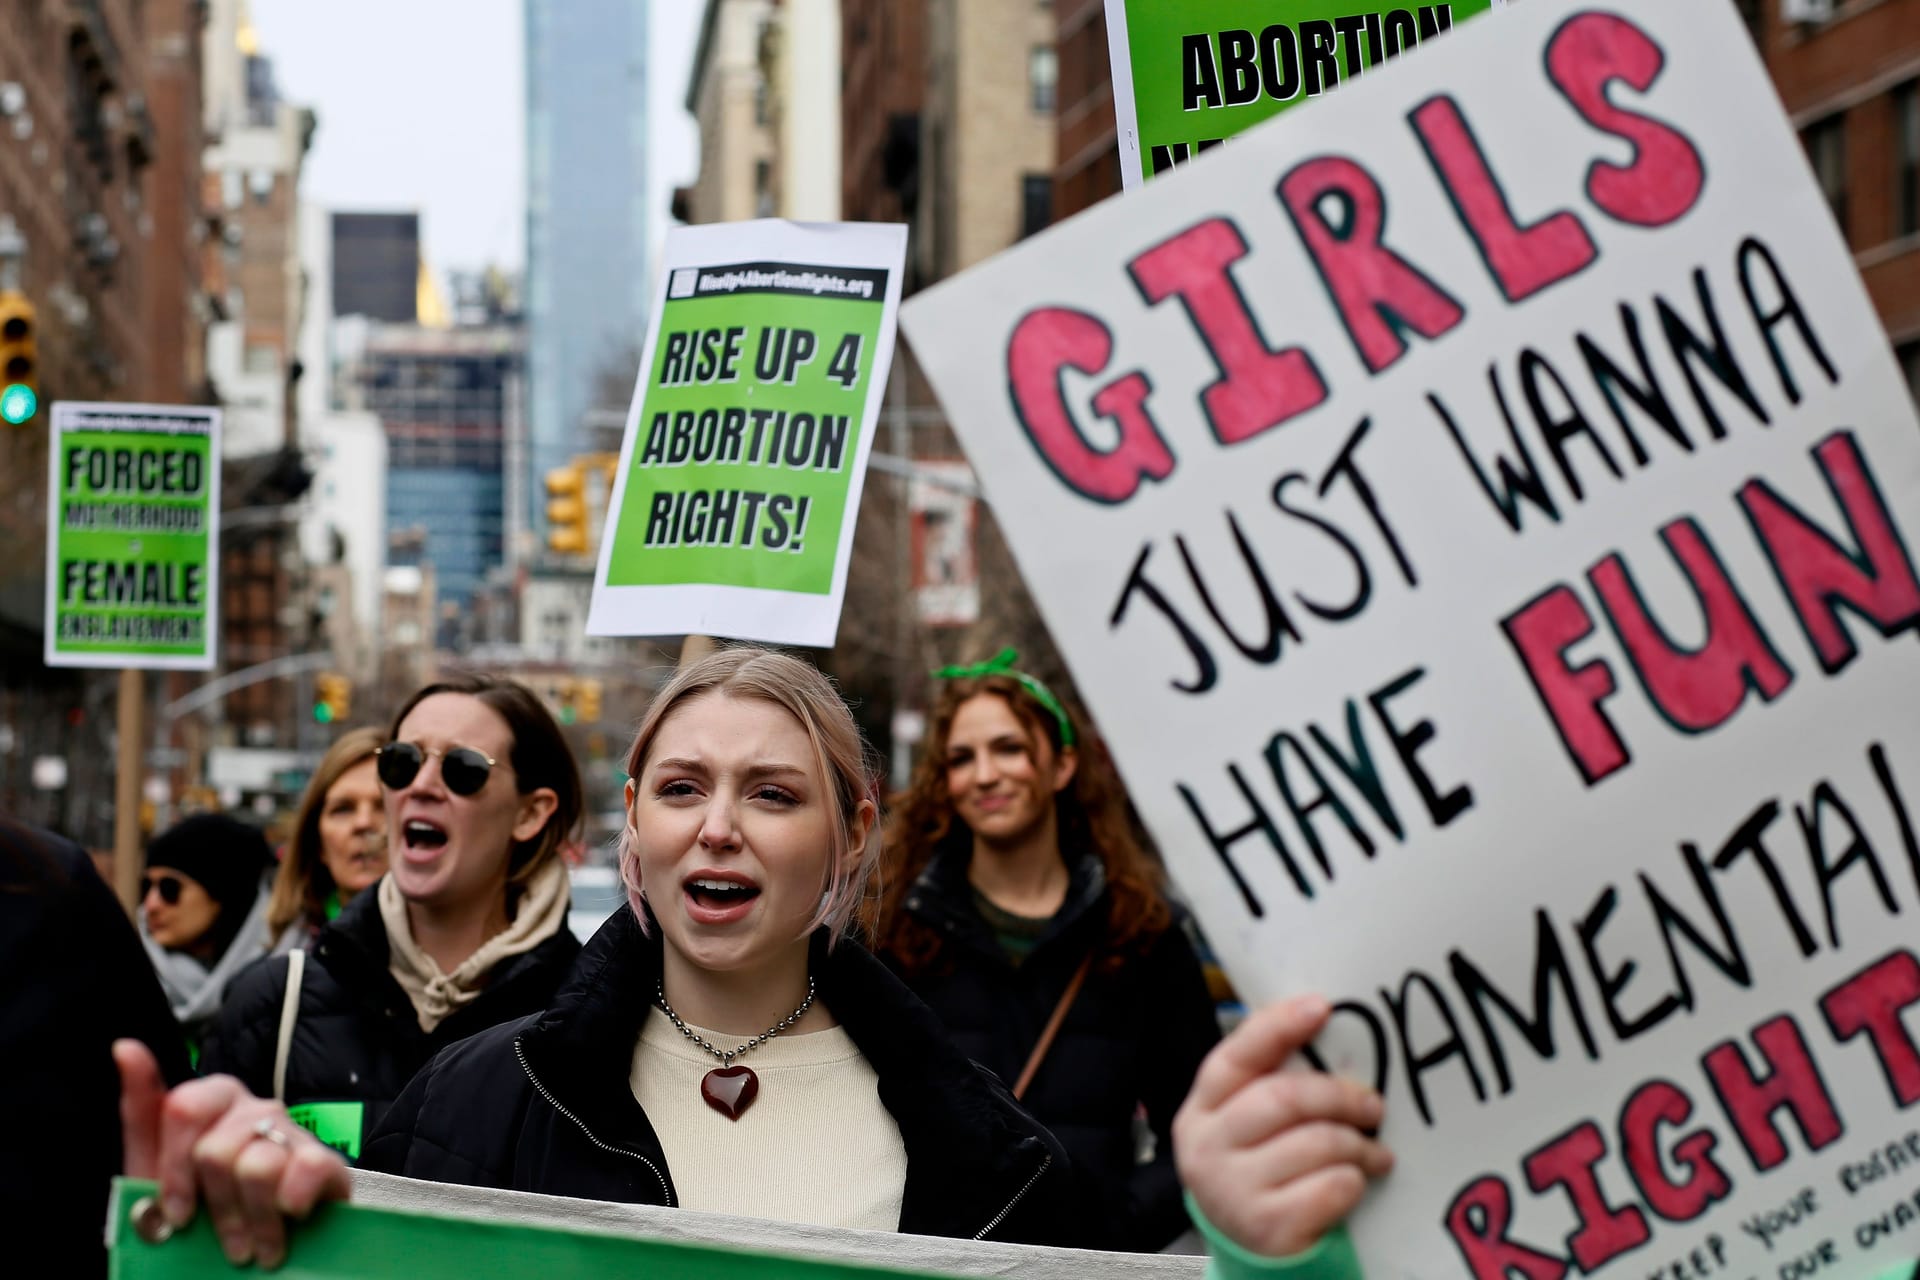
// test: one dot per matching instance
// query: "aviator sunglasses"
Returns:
(463, 769)
(169, 887)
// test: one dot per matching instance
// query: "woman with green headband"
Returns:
(1019, 904)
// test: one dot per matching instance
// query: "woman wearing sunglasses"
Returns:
(467, 929)
(339, 844)
(725, 1043)
(203, 912)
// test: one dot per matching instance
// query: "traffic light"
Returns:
(586, 700)
(332, 698)
(565, 696)
(19, 359)
(567, 509)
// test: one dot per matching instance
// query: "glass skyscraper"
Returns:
(589, 229)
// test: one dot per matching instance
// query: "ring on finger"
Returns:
(265, 1128)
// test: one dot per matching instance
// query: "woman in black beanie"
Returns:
(203, 915)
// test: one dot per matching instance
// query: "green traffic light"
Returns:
(322, 713)
(18, 403)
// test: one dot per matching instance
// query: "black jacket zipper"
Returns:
(666, 1193)
(1046, 1162)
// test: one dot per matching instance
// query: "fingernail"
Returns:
(178, 1209)
(1312, 1006)
(1376, 1107)
(270, 1259)
(238, 1248)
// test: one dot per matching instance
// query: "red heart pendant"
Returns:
(730, 1090)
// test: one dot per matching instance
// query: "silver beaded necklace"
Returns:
(727, 1056)
(729, 1089)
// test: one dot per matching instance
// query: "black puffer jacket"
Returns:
(1133, 1038)
(545, 1104)
(73, 979)
(358, 1039)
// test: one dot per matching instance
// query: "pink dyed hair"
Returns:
(840, 753)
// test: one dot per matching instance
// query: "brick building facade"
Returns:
(100, 175)
(1852, 87)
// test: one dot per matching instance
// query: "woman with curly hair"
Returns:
(1019, 904)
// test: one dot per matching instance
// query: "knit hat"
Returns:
(224, 854)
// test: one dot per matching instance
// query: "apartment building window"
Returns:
(1036, 203)
(1826, 144)
(1906, 160)
(1043, 78)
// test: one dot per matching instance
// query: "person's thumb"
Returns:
(142, 1092)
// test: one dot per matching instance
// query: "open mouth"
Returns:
(708, 891)
(422, 836)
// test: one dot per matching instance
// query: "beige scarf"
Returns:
(436, 995)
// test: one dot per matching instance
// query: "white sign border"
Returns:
(754, 613)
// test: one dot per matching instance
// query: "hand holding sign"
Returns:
(1274, 1158)
(211, 1137)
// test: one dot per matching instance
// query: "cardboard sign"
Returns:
(1188, 77)
(133, 575)
(1481, 512)
(747, 442)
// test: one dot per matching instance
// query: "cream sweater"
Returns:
(815, 1146)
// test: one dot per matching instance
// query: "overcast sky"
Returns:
(422, 106)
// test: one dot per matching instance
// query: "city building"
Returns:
(443, 398)
(100, 216)
(1087, 169)
(257, 145)
(883, 56)
(256, 149)
(375, 266)
(800, 70)
(1851, 83)
(589, 227)
(727, 98)
(986, 132)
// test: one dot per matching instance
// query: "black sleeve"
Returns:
(243, 1040)
(1187, 1029)
(75, 980)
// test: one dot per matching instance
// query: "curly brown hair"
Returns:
(1091, 817)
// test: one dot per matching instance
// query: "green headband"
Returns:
(1001, 664)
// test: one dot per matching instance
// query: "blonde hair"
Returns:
(839, 752)
(301, 886)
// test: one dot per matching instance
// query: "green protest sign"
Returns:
(1187, 77)
(365, 1243)
(733, 509)
(132, 536)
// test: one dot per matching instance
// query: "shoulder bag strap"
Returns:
(289, 1014)
(1052, 1029)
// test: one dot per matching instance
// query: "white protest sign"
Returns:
(746, 445)
(1479, 510)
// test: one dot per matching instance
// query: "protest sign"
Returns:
(405, 1229)
(1479, 511)
(133, 536)
(1188, 77)
(747, 442)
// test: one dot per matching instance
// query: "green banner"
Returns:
(1196, 74)
(348, 1240)
(750, 428)
(132, 535)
